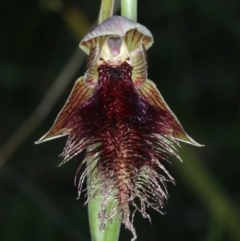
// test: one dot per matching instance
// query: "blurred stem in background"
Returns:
(200, 181)
(78, 24)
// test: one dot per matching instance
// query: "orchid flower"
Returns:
(116, 112)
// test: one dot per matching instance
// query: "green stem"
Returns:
(113, 229)
(94, 222)
(106, 10)
(129, 9)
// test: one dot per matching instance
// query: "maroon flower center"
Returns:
(132, 136)
(122, 121)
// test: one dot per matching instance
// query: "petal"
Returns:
(120, 26)
(139, 64)
(91, 74)
(151, 94)
(78, 96)
(134, 38)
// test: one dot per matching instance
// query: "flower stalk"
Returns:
(106, 10)
(129, 9)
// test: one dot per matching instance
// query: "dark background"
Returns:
(195, 64)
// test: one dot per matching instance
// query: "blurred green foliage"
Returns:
(195, 63)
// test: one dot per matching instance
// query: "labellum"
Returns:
(121, 116)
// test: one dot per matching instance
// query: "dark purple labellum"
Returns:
(133, 136)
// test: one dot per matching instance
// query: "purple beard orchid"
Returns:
(121, 117)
